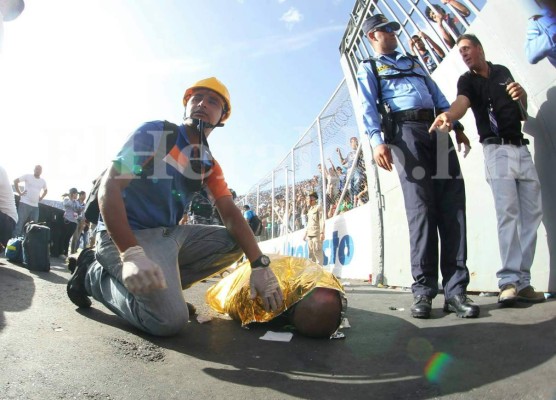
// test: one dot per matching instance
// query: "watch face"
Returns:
(265, 260)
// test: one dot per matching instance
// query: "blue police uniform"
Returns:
(427, 166)
(541, 38)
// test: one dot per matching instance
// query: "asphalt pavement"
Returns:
(51, 350)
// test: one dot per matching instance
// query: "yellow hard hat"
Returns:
(213, 84)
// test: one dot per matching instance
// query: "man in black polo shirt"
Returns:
(499, 105)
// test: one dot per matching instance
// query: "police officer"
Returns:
(427, 166)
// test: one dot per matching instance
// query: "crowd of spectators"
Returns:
(288, 212)
(447, 23)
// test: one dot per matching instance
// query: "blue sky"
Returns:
(77, 77)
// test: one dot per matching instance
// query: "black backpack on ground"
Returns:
(256, 225)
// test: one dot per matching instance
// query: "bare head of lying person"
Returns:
(313, 298)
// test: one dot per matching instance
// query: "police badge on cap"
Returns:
(378, 21)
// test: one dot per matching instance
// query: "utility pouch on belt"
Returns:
(387, 124)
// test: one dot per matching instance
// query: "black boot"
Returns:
(76, 285)
(192, 309)
(462, 306)
(72, 264)
(421, 307)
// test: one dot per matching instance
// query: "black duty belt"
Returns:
(424, 114)
(499, 140)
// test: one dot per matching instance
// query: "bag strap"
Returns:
(379, 103)
(164, 146)
(172, 138)
(91, 209)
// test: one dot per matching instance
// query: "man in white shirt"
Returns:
(35, 190)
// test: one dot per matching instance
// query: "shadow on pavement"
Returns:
(383, 356)
(16, 292)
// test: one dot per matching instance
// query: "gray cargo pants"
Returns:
(186, 254)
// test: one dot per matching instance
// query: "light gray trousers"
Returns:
(25, 213)
(512, 176)
(186, 254)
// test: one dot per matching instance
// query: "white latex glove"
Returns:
(140, 274)
(264, 283)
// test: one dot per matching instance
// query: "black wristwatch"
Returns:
(262, 261)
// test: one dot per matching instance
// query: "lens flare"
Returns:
(437, 366)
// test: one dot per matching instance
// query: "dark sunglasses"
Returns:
(386, 29)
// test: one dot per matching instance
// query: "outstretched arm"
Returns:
(448, 39)
(462, 10)
(444, 122)
(411, 46)
(433, 44)
(333, 167)
(342, 159)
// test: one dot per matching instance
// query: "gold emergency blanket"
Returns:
(297, 277)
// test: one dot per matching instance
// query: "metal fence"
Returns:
(437, 25)
(326, 160)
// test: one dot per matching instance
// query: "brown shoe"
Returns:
(508, 295)
(528, 295)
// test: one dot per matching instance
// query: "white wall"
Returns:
(347, 253)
